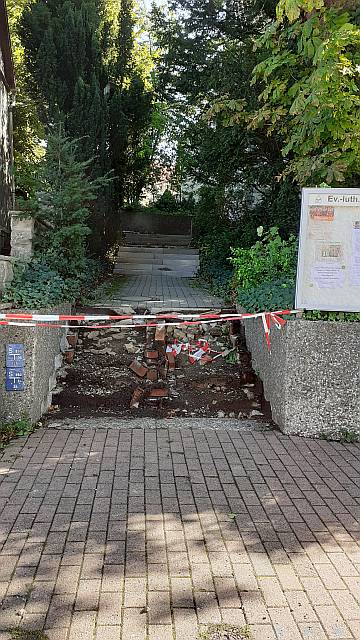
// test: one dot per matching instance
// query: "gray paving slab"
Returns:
(162, 293)
(132, 532)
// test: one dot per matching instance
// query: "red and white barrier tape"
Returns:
(54, 321)
(210, 317)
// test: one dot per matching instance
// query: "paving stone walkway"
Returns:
(132, 533)
(162, 292)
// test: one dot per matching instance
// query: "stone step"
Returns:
(180, 272)
(128, 258)
(143, 239)
(160, 261)
(172, 264)
(134, 250)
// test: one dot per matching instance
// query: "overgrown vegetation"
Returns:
(11, 430)
(252, 125)
(61, 267)
(342, 435)
(88, 65)
(240, 103)
(264, 275)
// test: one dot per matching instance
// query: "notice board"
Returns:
(328, 276)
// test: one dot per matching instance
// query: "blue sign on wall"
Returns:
(15, 356)
(15, 379)
(15, 367)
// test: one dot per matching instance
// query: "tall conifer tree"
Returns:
(81, 59)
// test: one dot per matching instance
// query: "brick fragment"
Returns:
(152, 375)
(170, 359)
(160, 334)
(136, 398)
(158, 394)
(152, 355)
(138, 368)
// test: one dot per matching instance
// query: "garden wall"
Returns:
(156, 224)
(312, 377)
(43, 357)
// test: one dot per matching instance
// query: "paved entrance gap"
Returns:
(125, 372)
(157, 292)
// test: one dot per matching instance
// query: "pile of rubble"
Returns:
(194, 370)
(167, 351)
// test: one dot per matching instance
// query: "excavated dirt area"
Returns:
(197, 371)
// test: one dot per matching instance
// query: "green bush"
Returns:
(269, 258)
(269, 296)
(265, 274)
(11, 430)
(37, 285)
(167, 202)
(215, 268)
(60, 268)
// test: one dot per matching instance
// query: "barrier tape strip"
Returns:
(168, 316)
(179, 320)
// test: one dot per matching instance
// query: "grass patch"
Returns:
(344, 436)
(107, 290)
(225, 632)
(22, 634)
(16, 429)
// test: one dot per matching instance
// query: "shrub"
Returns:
(265, 274)
(270, 296)
(167, 202)
(269, 258)
(60, 268)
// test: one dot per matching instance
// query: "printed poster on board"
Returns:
(328, 276)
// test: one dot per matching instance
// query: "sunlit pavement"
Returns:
(133, 533)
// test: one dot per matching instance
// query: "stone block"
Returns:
(6, 271)
(42, 347)
(22, 235)
(312, 376)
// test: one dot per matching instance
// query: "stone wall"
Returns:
(312, 377)
(43, 357)
(156, 224)
(22, 236)
(6, 271)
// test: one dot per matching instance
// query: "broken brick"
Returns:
(158, 394)
(170, 357)
(152, 375)
(162, 373)
(205, 360)
(69, 356)
(152, 355)
(136, 398)
(138, 368)
(72, 339)
(160, 334)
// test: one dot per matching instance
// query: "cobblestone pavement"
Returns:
(135, 533)
(158, 292)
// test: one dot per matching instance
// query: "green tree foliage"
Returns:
(207, 59)
(28, 130)
(309, 83)
(89, 71)
(207, 55)
(61, 209)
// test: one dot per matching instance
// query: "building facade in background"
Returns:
(7, 91)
